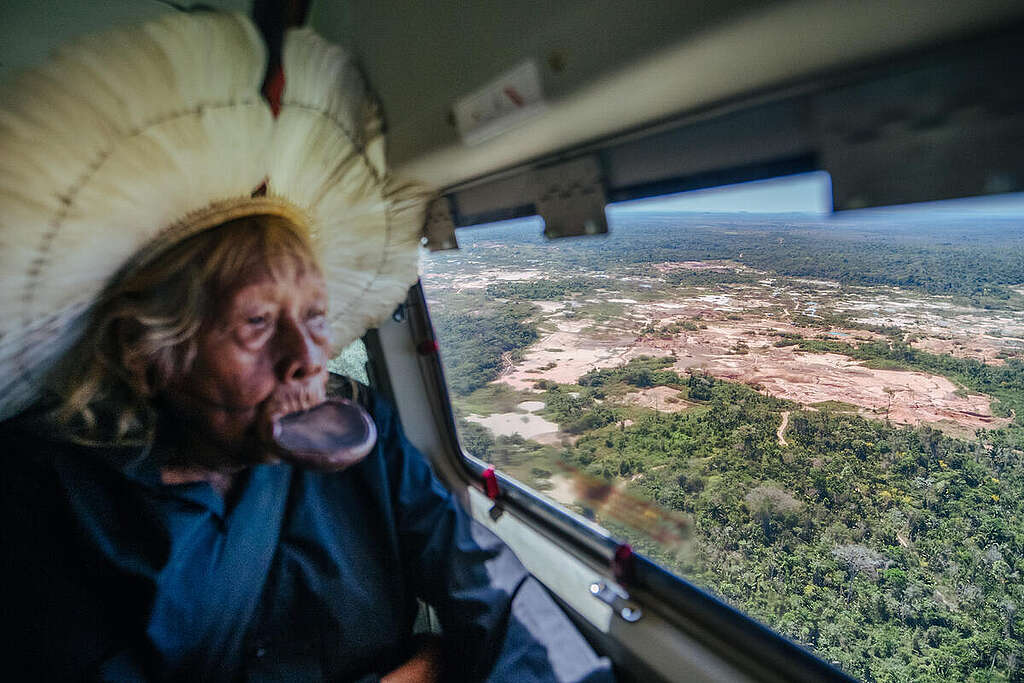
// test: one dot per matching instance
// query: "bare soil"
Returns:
(663, 399)
(738, 327)
(743, 350)
(525, 425)
(985, 349)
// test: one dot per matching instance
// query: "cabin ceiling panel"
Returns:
(609, 67)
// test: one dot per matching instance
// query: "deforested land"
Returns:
(834, 408)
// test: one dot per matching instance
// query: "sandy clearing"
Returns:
(670, 266)
(562, 490)
(743, 351)
(573, 326)
(985, 349)
(576, 354)
(528, 426)
(845, 334)
(936, 318)
(820, 283)
(721, 302)
(480, 279)
(509, 275)
(809, 378)
(558, 439)
(903, 397)
(657, 398)
(548, 306)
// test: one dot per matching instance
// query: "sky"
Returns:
(805, 192)
(810, 193)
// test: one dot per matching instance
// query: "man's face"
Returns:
(263, 355)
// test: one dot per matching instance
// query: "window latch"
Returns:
(617, 599)
(570, 197)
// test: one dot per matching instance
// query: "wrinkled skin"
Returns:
(263, 355)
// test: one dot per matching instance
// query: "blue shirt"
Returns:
(111, 574)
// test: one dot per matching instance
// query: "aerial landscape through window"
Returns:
(818, 418)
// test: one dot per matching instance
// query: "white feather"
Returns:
(327, 156)
(117, 137)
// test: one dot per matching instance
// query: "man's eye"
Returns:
(257, 320)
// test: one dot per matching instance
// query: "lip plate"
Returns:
(329, 437)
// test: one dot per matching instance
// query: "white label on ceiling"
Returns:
(499, 106)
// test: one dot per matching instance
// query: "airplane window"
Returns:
(818, 418)
(351, 362)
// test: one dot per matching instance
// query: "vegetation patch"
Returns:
(852, 527)
(538, 290)
(475, 343)
(492, 398)
(639, 372)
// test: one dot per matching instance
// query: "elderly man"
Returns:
(155, 526)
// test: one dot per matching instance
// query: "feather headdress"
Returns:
(127, 142)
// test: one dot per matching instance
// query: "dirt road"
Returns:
(782, 428)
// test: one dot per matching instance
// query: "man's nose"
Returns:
(300, 357)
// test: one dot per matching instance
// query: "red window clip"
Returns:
(428, 347)
(490, 482)
(622, 563)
